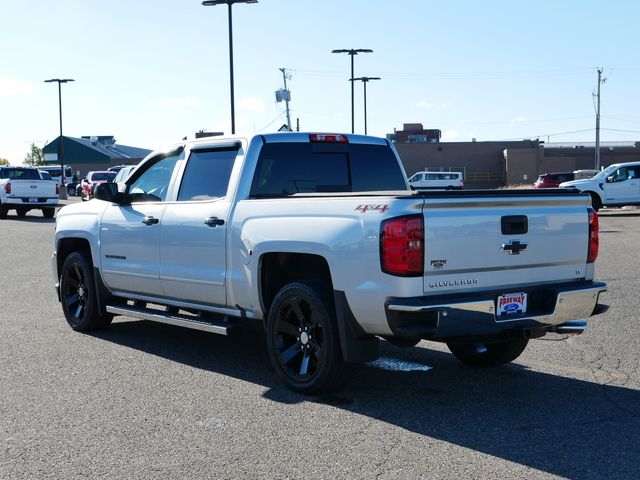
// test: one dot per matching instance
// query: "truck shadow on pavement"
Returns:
(567, 427)
(29, 219)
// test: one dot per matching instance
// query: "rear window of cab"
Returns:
(285, 169)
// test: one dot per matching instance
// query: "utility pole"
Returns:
(600, 82)
(287, 95)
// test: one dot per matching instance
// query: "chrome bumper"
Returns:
(476, 315)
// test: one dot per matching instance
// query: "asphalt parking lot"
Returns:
(144, 400)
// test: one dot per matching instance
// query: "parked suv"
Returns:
(553, 180)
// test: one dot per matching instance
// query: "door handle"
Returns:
(213, 221)
(150, 220)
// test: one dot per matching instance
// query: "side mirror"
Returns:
(611, 179)
(108, 192)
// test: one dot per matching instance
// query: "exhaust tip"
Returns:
(574, 327)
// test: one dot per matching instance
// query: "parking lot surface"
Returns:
(144, 400)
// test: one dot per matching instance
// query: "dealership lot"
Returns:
(144, 400)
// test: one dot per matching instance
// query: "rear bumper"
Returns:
(553, 308)
(13, 202)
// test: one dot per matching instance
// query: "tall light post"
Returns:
(352, 52)
(63, 187)
(209, 3)
(364, 81)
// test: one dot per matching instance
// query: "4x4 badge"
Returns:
(514, 247)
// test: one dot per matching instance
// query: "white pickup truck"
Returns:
(617, 185)
(23, 189)
(320, 237)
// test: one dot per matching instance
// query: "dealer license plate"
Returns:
(33, 200)
(512, 303)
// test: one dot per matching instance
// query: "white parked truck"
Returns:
(617, 185)
(23, 189)
(319, 237)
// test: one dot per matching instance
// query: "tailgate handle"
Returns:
(515, 225)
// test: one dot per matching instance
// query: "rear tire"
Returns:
(79, 296)
(488, 354)
(3, 211)
(303, 341)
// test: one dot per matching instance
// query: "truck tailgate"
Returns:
(33, 189)
(503, 242)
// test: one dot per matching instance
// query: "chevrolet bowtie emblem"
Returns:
(514, 247)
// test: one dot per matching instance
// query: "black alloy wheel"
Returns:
(303, 340)
(78, 295)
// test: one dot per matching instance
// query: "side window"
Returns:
(633, 172)
(207, 175)
(153, 184)
(620, 175)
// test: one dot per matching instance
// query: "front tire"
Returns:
(303, 341)
(48, 212)
(596, 203)
(21, 212)
(488, 354)
(78, 295)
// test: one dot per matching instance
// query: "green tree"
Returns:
(35, 156)
(4, 161)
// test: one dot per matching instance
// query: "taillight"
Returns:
(402, 246)
(7, 188)
(594, 238)
(328, 138)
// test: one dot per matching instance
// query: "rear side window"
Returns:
(288, 168)
(19, 174)
(207, 174)
(561, 177)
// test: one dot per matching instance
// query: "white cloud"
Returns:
(520, 119)
(10, 87)
(172, 102)
(251, 104)
(450, 135)
(423, 104)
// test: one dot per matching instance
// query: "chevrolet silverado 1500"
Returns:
(319, 237)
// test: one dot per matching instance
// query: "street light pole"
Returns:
(63, 188)
(208, 3)
(364, 81)
(352, 52)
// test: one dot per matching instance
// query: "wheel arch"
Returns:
(276, 269)
(66, 246)
(593, 193)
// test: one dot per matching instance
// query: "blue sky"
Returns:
(152, 72)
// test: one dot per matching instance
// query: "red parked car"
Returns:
(93, 179)
(553, 180)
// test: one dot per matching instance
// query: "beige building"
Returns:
(496, 164)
